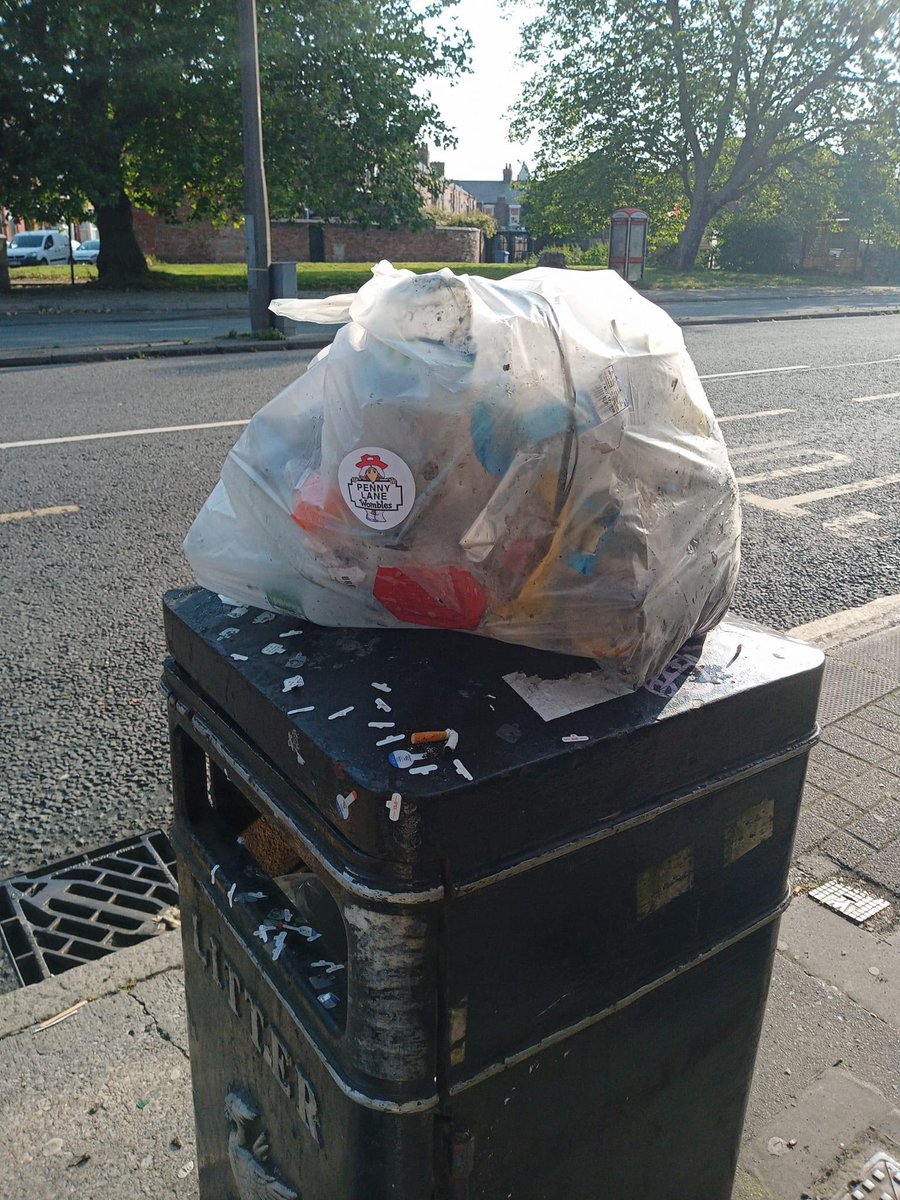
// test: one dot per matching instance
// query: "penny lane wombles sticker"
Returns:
(377, 486)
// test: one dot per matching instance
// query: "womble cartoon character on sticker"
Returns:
(374, 492)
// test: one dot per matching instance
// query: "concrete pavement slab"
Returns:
(838, 1122)
(27, 1007)
(99, 1106)
(862, 963)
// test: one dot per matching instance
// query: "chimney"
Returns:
(507, 174)
(438, 168)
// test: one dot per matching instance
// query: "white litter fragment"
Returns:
(461, 770)
(291, 633)
(263, 932)
(394, 737)
(253, 895)
(227, 601)
(382, 724)
(264, 618)
(273, 648)
(213, 873)
(344, 802)
(278, 945)
(379, 703)
(423, 770)
(237, 612)
(231, 892)
(452, 740)
(292, 682)
(293, 711)
(393, 806)
(228, 633)
(239, 657)
(382, 687)
(576, 737)
(311, 935)
(403, 759)
(341, 712)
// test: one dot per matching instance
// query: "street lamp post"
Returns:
(256, 202)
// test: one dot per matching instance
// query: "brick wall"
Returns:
(441, 244)
(203, 242)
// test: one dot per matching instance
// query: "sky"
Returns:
(475, 105)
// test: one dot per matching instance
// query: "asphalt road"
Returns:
(809, 410)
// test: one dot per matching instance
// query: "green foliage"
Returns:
(471, 220)
(749, 245)
(577, 200)
(717, 95)
(113, 102)
(573, 254)
(596, 256)
(867, 179)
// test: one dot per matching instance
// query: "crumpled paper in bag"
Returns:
(532, 459)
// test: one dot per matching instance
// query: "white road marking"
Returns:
(793, 506)
(881, 396)
(845, 527)
(763, 412)
(759, 448)
(758, 371)
(96, 437)
(55, 510)
(866, 362)
(828, 459)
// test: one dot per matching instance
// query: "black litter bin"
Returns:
(529, 964)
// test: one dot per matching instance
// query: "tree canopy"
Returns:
(718, 94)
(121, 102)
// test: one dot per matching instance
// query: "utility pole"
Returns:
(256, 201)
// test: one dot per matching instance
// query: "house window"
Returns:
(489, 209)
(514, 213)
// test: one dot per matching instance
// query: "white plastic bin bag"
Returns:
(532, 459)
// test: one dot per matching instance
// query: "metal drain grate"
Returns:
(80, 909)
(880, 1180)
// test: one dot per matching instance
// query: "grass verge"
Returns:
(348, 277)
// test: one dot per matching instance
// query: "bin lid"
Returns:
(537, 761)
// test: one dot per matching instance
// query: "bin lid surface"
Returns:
(537, 760)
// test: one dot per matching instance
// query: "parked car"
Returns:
(39, 248)
(87, 251)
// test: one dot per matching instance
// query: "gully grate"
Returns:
(78, 910)
(880, 1180)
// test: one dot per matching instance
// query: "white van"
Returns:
(39, 247)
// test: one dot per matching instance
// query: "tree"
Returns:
(721, 93)
(575, 202)
(868, 180)
(125, 102)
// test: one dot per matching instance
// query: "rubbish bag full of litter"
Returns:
(531, 459)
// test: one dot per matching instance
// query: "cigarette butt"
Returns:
(431, 735)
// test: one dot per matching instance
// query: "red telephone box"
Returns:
(628, 242)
